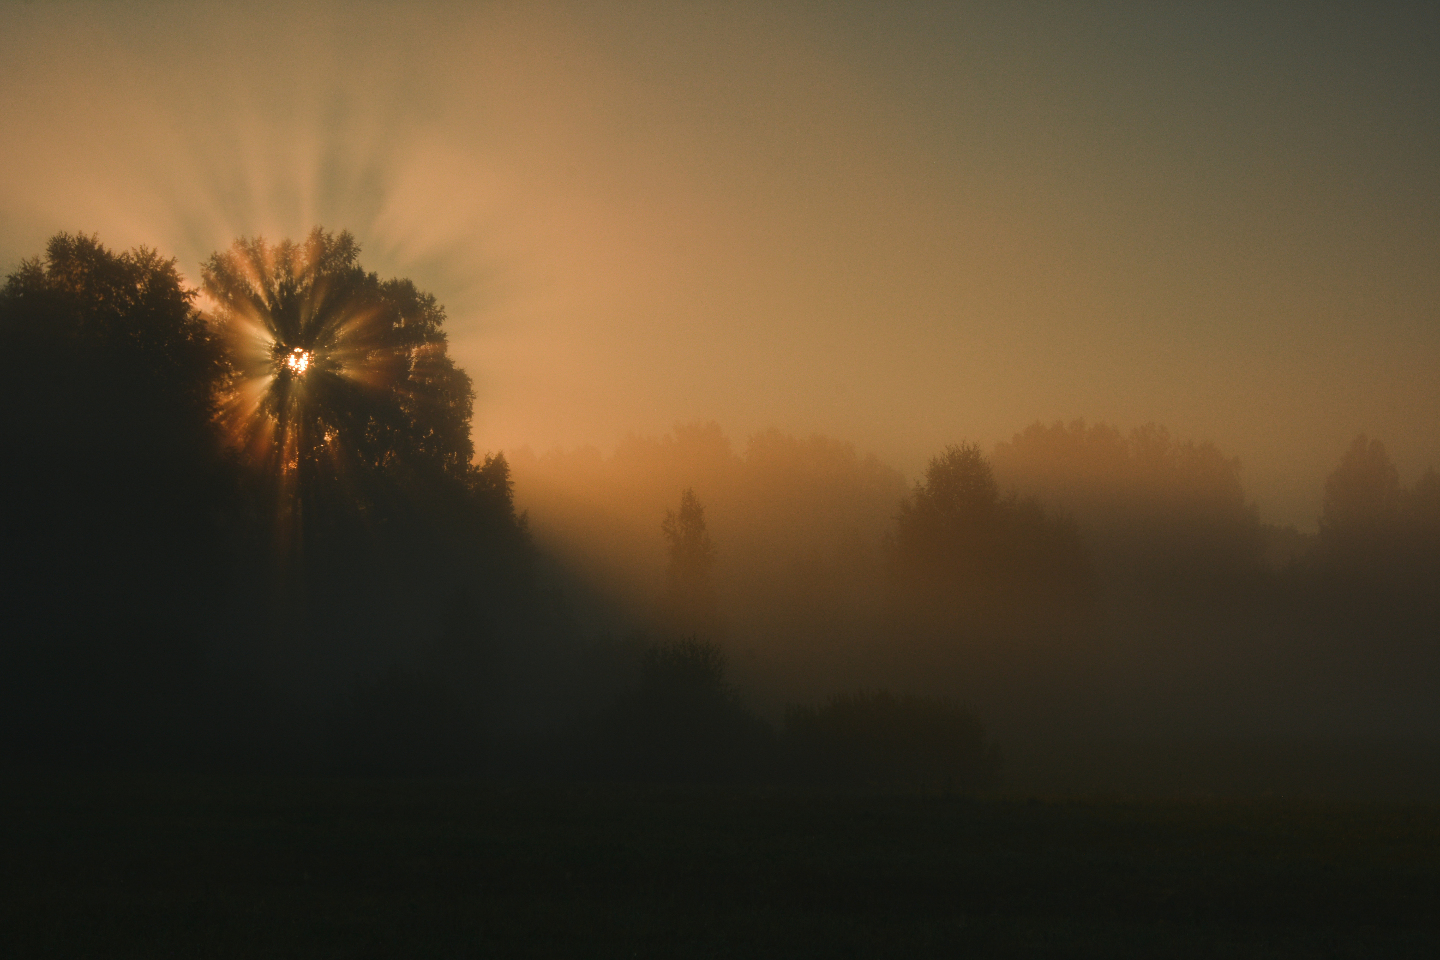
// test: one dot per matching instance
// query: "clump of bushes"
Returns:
(861, 738)
(682, 724)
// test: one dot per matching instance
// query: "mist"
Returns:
(899, 226)
(817, 293)
(1109, 601)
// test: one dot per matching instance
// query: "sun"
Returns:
(297, 361)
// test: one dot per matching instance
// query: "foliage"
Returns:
(958, 544)
(1372, 526)
(170, 457)
(1362, 499)
(689, 594)
(1166, 514)
(378, 405)
(683, 723)
(119, 499)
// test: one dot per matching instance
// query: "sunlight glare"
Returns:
(298, 361)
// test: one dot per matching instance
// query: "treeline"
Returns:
(246, 529)
(1078, 582)
(209, 546)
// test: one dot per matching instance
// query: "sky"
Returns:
(900, 225)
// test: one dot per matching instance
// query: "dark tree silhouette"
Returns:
(683, 723)
(978, 555)
(118, 501)
(355, 421)
(1362, 502)
(344, 392)
(689, 593)
(163, 454)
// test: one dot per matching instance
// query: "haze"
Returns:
(902, 226)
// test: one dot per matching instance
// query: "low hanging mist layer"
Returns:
(712, 409)
(257, 535)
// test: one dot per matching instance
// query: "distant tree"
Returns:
(689, 592)
(968, 551)
(1161, 514)
(1422, 506)
(1375, 533)
(953, 517)
(1362, 498)
(1368, 595)
(683, 723)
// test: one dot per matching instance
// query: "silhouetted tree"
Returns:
(118, 498)
(354, 423)
(166, 453)
(1163, 516)
(689, 593)
(1362, 503)
(976, 556)
(344, 391)
(683, 723)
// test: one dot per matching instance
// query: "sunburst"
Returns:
(333, 370)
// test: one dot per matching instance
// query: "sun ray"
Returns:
(330, 369)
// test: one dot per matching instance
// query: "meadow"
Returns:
(235, 867)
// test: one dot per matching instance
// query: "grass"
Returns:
(246, 868)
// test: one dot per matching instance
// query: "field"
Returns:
(287, 868)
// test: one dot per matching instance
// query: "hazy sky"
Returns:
(903, 226)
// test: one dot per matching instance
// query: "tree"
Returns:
(118, 496)
(951, 518)
(354, 422)
(683, 723)
(689, 594)
(1362, 498)
(108, 381)
(1373, 531)
(159, 451)
(967, 555)
(1161, 514)
(344, 391)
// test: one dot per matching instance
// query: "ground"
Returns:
(215, 867)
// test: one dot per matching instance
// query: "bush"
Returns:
(683, 724)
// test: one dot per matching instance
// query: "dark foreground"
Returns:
(221, 868)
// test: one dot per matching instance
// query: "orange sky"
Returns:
(894, 225)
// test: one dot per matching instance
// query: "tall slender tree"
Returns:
(690, 604)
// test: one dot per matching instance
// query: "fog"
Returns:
(1114, 587)
(898, 225)
(750, 399)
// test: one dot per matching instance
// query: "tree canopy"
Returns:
(690, 595)
(957, 539)
(342, 380)
(175, 443)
